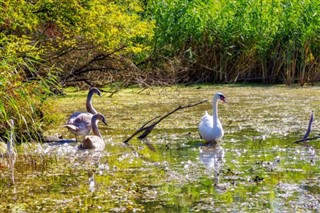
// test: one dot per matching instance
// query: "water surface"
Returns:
(256, 167)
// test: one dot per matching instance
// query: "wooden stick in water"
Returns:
(149, 128)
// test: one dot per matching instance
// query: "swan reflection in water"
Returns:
(212, 157)
(8, 154)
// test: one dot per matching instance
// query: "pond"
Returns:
(257, 167)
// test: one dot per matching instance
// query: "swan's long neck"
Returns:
(215, 111)
(94, 124)
(89, 105)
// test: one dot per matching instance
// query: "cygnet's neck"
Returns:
(94, 124)
(89, 105)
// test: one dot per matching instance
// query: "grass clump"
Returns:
(23, 90)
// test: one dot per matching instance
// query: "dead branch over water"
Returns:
(306, 135)
(146, 129)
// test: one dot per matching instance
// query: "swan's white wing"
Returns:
(205, 126)
(206, 120)
(207, 131)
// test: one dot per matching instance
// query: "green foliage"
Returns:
(43, 41)
(23, 90)
(86, 38)
(106, 25)
(266, 39)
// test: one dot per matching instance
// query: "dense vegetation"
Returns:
(225, 40)
(47, 44)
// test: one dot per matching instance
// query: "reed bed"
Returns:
(269, 41)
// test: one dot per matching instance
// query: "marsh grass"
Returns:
(265, 41)
(23, 95)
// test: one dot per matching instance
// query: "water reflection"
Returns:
(92, 183)
(312, 153)
(307, 153)
(8, 153)
(212, 157)
(7, 163)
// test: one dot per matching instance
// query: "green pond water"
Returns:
(256, 168)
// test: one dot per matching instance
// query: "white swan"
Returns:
(96, 140)
(210, 128)
(79, 123)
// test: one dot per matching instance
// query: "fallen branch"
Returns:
(306, 135)
(309, 127)
(307, 139)
(149, 128)
(140, 130)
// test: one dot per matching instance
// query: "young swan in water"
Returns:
(94, 141)
(210, 128)
(79, 123)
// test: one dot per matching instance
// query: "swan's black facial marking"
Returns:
(222, 98)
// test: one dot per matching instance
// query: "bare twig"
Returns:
(97, 58)
(124, 84)
(149, 128)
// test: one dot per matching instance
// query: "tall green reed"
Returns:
(226, 40)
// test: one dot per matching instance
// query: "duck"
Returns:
(94, 141)
(210, 127)
(79, 123)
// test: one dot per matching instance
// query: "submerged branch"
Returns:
(149, 128)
